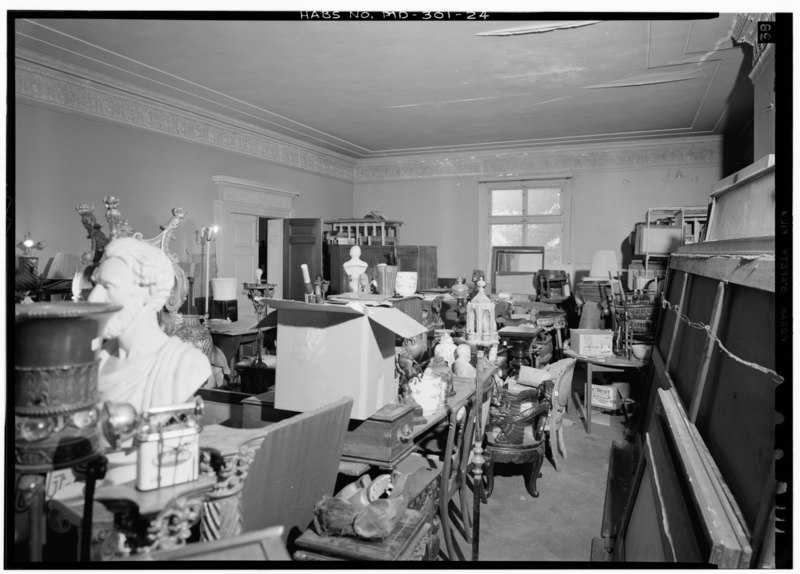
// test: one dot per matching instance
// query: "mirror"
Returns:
(514, 267)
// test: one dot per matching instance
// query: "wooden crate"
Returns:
(383, 438)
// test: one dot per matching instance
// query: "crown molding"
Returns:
(685, 151)
(58, 85)
(55, 84)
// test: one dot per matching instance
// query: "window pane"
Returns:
(544, 201)
(548, 235)
(506, 202)
(506, 235)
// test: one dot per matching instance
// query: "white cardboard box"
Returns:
(592, 342)
(610, 396)
(327, 351)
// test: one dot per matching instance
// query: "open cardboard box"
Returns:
(326, 351)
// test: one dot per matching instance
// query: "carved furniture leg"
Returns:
(532, 472)
(30, 499)
(562, 446)
(489, 478)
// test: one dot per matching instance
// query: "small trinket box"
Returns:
(168, 446)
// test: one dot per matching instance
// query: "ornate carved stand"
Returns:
(531, 456)
(222, 514)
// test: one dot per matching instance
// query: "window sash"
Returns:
(524, 219)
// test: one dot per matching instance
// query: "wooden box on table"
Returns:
(384, 438)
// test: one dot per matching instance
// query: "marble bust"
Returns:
(354, 267)
(148, 368)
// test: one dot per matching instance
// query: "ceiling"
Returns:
(378, 88)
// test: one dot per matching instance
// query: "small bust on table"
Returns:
(354, 267)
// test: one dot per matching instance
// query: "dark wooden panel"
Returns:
(302, 244)
(678, 511)
(685, 363)
(736, 416)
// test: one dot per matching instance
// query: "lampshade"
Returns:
(603, 262)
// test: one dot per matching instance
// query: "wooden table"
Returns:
(231, 338)
(612, 364)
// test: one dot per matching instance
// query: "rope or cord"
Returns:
(707, 328)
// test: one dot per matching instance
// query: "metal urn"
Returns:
(56, 360)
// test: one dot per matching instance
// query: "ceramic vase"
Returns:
(405, 284)
(428, 392)
(191, 329)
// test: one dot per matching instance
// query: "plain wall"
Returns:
(64, 160)
(606, 205)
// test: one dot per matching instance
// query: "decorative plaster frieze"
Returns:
(230, 189)
(680, 151)
(126, 105)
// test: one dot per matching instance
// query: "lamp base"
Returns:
(63, 449)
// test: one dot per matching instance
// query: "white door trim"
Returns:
(251, 197)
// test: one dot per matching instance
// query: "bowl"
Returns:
(641, 351)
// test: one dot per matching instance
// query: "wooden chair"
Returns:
(453, 493)
(264, 544)
(295, 464)
(561, 372)
(516, 434)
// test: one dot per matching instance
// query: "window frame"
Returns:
(526, 184)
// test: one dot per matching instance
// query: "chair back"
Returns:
(296, 464)
(561, 372)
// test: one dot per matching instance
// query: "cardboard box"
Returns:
(592, 342)
(327, 351)
(610, 396)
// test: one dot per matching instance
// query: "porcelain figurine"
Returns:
(148, 368)
(463, 366)
(354, 267)
(363, 284)
(446, 348)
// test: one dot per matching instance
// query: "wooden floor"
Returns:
(559, 525)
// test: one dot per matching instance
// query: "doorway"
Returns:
(239, 208)
(270, 251)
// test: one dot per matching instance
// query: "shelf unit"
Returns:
(667, 228)
(365, 231)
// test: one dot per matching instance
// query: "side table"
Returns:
(612, 364)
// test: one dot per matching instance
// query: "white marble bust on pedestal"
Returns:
(354, 267)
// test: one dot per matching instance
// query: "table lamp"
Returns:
(603, 262)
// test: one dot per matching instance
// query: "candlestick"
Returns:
(306, 276)
(209, 234)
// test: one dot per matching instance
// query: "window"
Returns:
(531, 213)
